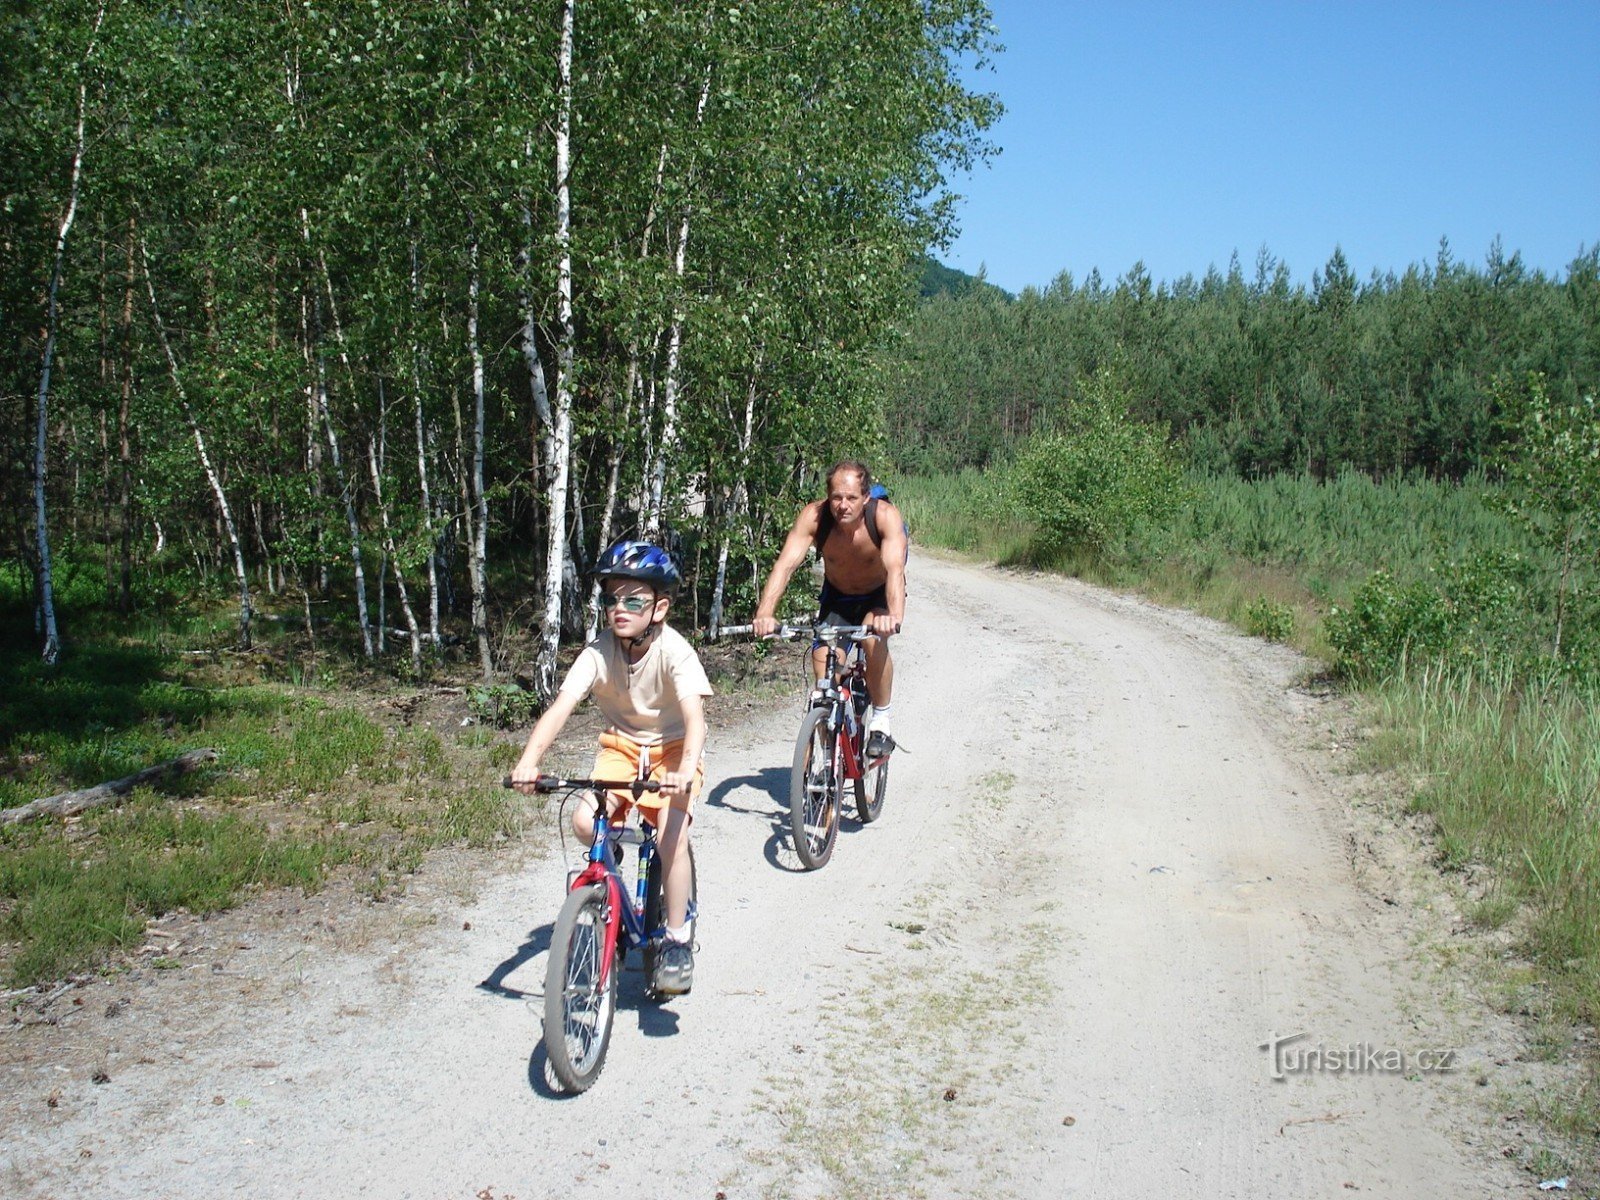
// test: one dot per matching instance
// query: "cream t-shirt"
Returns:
(640, 700)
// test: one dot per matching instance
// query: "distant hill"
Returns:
(936, 278)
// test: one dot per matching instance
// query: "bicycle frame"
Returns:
(600, 865)
(602, 868)
(843, 680)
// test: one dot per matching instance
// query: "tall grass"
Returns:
(1508, 744)
(1512, 776)
(1269, 555)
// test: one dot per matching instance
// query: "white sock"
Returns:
(878, 719)
(680, 934)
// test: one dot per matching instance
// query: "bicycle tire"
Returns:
(578, 1008)
(815, 791)
(654, 915)
(871, 786)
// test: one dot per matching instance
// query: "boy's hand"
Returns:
(524, 775)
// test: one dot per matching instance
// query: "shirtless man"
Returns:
(863, 578)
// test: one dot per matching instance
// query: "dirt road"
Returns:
(1111, 867)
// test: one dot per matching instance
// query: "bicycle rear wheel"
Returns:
(871, 785)
(815, 790)
(655, 915)
(580, 989)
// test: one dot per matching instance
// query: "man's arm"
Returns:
(892, 531)
(790, 557)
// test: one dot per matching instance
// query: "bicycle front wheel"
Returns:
(580, 989)
(815, 790)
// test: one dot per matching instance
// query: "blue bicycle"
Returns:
(602, 919)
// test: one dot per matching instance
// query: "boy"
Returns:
(650, 687)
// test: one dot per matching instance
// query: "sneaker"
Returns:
(879, 744)
(674, 974)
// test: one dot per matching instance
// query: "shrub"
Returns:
(1088, 485)
(1265, 618)
(1384, 625)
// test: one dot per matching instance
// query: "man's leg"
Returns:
(880, 672)
(880, 687)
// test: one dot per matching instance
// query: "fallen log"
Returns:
(68, 804)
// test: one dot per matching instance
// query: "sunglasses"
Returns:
(629, 604)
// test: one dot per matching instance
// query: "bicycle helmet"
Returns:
(643, 561)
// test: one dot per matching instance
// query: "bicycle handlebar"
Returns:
(822, 632)
(554, 783)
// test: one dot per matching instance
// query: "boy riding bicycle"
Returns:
(650, 687)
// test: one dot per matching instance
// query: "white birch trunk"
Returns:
(422, 461)
(47, 603)
(670, 388)
(737, 501)
(561, 423)
(214, 479)
(394, 560)
(479, 516)
(345, 484)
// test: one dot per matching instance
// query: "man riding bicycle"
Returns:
(861, 540)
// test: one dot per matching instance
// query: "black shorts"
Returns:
(836, 608)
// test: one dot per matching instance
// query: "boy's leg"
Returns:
(616, 758)
(672, 843)
(674, 973)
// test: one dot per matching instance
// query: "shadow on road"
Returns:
(535, 944)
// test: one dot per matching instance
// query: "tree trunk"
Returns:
(393, 555)
(345, 484)
(480, 498)
(46, 587)
(68, 804)
(212, 477)
(561, 442)
(422, 460)
(669, 405)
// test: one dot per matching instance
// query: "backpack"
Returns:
(875, 493)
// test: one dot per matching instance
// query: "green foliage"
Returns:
(1257, 376)
(1384, 625)
(1267, 618)
(1552, 470)
(1091, 484)
(503, 705)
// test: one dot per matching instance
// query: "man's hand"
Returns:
(764, 626)
(883, 624)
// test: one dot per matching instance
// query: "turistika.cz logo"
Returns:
(1289, 1057)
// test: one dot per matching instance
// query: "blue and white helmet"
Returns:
(644, 561)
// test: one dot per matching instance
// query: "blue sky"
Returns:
(1178, 133)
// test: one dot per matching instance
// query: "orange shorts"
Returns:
(620, 757)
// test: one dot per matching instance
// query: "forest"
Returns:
(1252, 373)
(410, 308)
